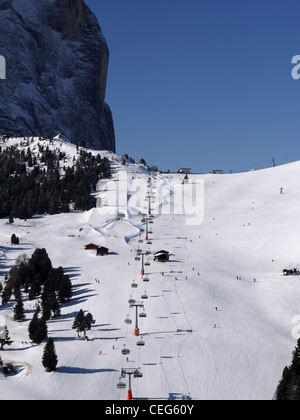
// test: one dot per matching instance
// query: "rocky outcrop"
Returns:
(57, 61)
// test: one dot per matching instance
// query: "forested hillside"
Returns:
(38, 179)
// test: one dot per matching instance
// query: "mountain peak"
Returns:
(57, 62)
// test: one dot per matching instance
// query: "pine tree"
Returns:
(289, 387)
(50, 359)
(33, 325)
(14, 240)
(65, 289)
(35, 290)
(89, 321)
(80, 324)
(41, 331)
(50, 305)
(282, 389)
(37, 328)
(19, 311)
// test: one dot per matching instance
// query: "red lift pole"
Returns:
(136, 374)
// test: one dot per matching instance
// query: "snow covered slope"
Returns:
(208, 334)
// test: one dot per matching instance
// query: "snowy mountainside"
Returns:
(208, 334)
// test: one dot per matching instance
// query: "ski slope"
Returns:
(207, 334)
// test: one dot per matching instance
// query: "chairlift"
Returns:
(128, 320)
(149, 242)
(125, 351)
(140, 241)
(134, 285)
(147, 263)
(138, 374)
(131, 301)
(121, 385)
(137, 259)
(140, 343)
(145, 279)
(143, 314)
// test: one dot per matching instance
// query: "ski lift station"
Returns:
(184, 171)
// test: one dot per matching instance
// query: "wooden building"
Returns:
(92, 247)
(162, 256)
(102, 251)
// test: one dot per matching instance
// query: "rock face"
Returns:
(56, 71)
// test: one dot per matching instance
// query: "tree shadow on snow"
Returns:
(72, 370)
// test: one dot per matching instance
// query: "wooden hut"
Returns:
(92, 247)
(162, 256)
(102, 251)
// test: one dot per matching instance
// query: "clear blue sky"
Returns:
(203, 84)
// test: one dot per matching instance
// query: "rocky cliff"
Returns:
(57, 61)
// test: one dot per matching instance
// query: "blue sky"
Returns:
(203, 84)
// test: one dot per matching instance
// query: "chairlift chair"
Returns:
(143, 314)
(125, 351)
(121, 385)
(140, 343)
(138, 374)
(128, 320)
(144, 296)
